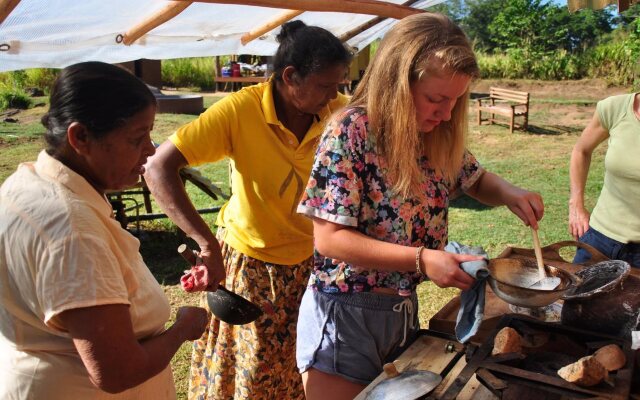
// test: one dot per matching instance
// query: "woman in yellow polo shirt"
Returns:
(269, 132)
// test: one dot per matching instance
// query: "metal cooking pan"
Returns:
(408, 385)
(510, 279)
(223, 303)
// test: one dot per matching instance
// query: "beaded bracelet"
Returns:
(418, 253)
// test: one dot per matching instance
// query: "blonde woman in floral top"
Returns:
(378, 194)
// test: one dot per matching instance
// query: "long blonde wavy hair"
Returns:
(418, 45)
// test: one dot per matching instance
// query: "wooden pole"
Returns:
(367, 25)
(371, 7)
(6, 6)
(623, 5)
(274, 23)
(163, 15)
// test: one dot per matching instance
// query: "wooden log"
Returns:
(6, 6)
(367, 25)
(158, 18)
(370, 7)
(274, 23)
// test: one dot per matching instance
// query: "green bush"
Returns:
(189, 72)
(13, 97)
(36, 78)
(615, 61)
(41, 78)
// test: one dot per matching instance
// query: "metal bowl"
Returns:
(510, 279)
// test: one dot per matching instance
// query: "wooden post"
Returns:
(359, 29)
(623, 5)
(6, 6)
(163, 15)
(371, 7)
(274, 23)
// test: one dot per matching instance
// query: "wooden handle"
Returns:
(536, 247)
(187, 254)
(391, 370)
(554, 248)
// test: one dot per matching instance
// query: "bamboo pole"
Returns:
(367, 25)
(158, 18)
(371, 7)
(274, 23)
(6, 6)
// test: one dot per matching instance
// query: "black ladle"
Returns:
(223, 303)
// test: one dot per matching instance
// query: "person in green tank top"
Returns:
(613, 227)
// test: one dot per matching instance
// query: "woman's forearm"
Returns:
(115, 360)
(163, 179)
(493, 190)
(578, 172)
(348, 245)
(358, 249)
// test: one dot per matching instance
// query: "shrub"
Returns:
(41, 78)
(13, 97)
(189, 72)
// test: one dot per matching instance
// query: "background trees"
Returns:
(539, 39)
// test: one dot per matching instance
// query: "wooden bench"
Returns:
(510, 103)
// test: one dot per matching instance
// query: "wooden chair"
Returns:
(124, 203)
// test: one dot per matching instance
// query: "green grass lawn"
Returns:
(537, 160)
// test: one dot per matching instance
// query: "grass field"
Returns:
(537, 160)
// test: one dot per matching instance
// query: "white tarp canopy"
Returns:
(57, 33)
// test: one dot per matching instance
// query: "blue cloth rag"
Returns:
(472, 300)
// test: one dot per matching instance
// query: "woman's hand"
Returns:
(578, 221)
(444, 270)
(212, 258)
(191, 321)
(528, 206)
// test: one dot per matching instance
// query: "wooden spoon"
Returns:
(544, 282)
(536, 247)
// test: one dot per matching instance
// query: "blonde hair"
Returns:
(426, 43)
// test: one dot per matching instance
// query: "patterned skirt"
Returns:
(257, 360)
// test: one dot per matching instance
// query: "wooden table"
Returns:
(238, 81)
(426, 352)
(445, 319)
(439, 354)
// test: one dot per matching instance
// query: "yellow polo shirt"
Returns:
(270, 169)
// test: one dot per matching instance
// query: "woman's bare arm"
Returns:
(591, 137)
(115, 359)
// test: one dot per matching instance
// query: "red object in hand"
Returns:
(196, 279)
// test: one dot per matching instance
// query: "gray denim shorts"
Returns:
(353, 334)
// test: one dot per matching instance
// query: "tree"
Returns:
(454, 9)
(535, 26)
(480, 14)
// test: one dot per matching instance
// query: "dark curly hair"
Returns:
(308, 49)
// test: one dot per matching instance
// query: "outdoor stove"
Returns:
(533, 374)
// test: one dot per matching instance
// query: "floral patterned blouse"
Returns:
(348, 186)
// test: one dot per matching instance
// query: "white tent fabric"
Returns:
(57, 33)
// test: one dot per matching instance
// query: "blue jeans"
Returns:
(629, 252)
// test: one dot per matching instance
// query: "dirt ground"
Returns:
(585, 89)
(556, 107)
